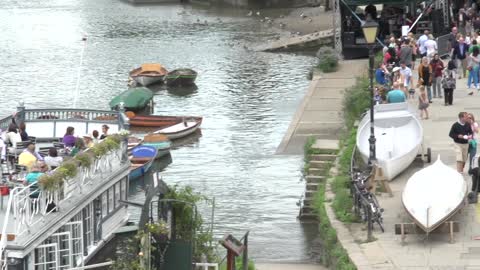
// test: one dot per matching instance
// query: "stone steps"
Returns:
(323, 157)
(318, 171)
(312, 186)
(315, 179)
(319, 164)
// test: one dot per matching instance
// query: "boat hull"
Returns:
(148, 80)
(159, 121)
(398, 134)
(177, 131)
(142, 159)
(433, 195)
(180, 81)
(163, 148)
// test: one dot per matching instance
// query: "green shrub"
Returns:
(356, 100)
(327, 59)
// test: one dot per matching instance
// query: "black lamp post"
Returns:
(370, 29)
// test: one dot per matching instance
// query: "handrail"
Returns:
(4, 236)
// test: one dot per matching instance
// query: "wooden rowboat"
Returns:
(182, 76)
(142, 159)
(399, 136)
(160, 142)
(158, 121)
(148, 74)
(181, 129)
(433, 195)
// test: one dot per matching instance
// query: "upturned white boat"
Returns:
(398, 134)
(433, 195)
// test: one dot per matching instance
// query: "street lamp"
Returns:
(370, 29)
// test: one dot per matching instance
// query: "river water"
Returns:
(247, 99)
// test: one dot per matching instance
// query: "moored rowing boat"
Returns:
(160, 142)
(148, 74)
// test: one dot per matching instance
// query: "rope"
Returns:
(79, 72)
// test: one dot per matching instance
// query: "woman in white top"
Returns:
(53, 160)
(472, 145)
(12, 137)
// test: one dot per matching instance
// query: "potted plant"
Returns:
(159, 231)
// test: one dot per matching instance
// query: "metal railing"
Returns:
(443, 45)
(31, 204)
(78, 115)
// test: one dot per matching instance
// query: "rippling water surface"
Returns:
(247, 98)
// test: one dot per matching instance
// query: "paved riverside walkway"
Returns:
(320, 112)
(418, 252)
(289, 267)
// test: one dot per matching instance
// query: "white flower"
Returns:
(124, 132)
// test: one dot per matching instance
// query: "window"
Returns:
(117, 194)
(123, 188)
(110, 199)
(104, 204)
(88, 219)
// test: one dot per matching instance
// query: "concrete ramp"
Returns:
(309, 41)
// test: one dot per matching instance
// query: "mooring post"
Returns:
(245, 251)
(20, 112)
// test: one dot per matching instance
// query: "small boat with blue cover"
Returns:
(142, 158)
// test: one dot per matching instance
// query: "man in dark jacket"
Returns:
(460, 52)
(461, 133)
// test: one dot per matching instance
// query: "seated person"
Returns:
(88, 139)
(68, 138)
(32, 178)
(79, 146)
(29, 156)
(396, 95)
(11, 137)
(380, 74)
(53, 160)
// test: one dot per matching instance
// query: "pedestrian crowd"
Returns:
(437, 78)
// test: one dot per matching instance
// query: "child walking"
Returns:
(423, 103)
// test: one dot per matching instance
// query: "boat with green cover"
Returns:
(134, 99)
(182, 76)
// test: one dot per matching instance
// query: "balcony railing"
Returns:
(32, 205)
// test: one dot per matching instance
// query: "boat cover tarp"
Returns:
(143, 151)
(136, 98)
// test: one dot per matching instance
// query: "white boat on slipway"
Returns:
(399, 136)
(433, 195)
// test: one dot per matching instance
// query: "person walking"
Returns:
(473, 68)
(460, 55)
(431, 47)
(421, 43)
(449, 84)
(423, 103)
(413, 45)
(472, 144)
(461, 133)
(437, 70)
(406, 53)
(425, 77)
